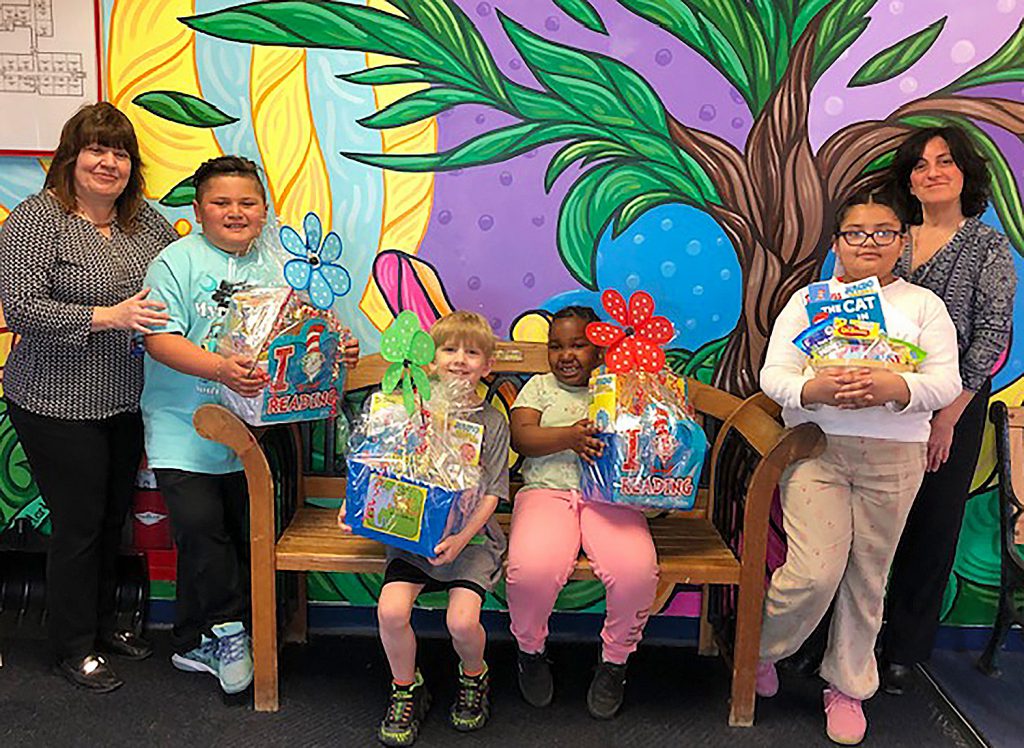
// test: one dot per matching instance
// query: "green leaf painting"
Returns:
(1005, 66)
(898, 58)
(180, 195)
(183, 108)
(583, 12)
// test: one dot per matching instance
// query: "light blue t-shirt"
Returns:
(195, 280)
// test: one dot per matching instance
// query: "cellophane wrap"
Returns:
(415, 479)
(296, 344)
(653, 448)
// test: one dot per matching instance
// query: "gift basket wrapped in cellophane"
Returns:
(289, 334)
(848, 329)
(414, 455)
(653, 448)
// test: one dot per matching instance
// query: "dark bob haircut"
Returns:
(977, 180)
(105, 125)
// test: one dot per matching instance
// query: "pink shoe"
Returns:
(766, 680)
(844, 718)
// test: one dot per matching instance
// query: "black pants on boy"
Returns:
(85, 470)
(209, 517)
(924, 557)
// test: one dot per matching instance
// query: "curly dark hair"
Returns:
(977, 179)
(105, 125)
(233, 166)
(576, 311)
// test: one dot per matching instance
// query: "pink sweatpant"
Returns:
(547, 528)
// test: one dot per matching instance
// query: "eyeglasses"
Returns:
(882, 238)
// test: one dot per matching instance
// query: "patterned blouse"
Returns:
(54, 268)
(974, 275)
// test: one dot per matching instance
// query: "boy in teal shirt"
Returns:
(202, 481)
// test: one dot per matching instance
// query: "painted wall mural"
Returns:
(513, 156)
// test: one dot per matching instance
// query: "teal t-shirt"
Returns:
(196, 281)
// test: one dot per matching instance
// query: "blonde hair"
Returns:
(465, 328)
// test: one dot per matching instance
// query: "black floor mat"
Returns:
(333, 690)
(991, 705)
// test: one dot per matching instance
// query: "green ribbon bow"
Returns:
(408, 349)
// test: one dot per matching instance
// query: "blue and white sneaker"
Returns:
(201, 659)
(234, 656)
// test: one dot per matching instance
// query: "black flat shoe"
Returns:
(90, 672)
(125, 644)
(896, 678)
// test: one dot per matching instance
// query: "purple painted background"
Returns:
(492, 232)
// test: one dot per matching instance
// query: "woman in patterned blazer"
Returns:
(72, 259)
(945, 187)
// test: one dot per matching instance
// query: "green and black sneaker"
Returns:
(472, 706)
(407, 707)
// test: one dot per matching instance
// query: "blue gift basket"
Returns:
(655, 465)
(398, 511)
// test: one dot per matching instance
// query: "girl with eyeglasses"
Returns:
(843, 511)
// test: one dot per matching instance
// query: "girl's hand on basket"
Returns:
(823, 388)
(872, 387)
(582, 441)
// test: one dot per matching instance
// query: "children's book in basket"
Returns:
(847, 329)
(653, 449)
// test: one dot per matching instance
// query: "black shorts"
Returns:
(400, 570)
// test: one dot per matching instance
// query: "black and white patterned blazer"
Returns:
(54, 268)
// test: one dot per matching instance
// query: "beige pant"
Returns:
(843, 513)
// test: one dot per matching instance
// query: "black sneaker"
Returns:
(407, 707)
(606, 690)
(535, 681)
(472, 706)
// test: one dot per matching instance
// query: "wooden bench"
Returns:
(720, 544)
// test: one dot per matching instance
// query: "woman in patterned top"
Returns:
(944, 184)
(72, 259)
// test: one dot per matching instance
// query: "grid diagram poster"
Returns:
(49, 67)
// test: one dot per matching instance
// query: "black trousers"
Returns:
(924, 557)
(210, 520)
(86, 473)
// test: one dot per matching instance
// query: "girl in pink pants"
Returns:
(550, 522)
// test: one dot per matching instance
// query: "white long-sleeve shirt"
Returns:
(913, 314)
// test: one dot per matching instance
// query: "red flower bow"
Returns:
(637, 344)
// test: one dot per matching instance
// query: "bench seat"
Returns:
(689, 548)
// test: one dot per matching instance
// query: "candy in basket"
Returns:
(653, 448)
(413, 465)
(296, 344)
